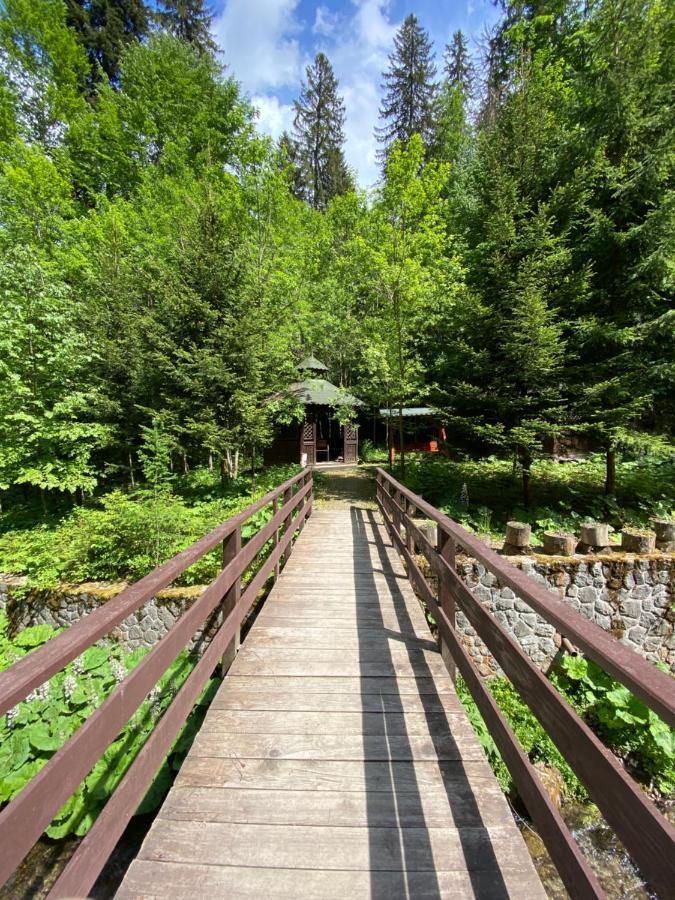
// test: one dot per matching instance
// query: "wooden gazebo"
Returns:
(319, 437)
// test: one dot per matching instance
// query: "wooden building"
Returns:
(319, 437)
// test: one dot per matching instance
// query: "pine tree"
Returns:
(104, 28)
(319, 135)
(410, 89)
(189, 21)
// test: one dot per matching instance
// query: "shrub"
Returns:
(36, 728)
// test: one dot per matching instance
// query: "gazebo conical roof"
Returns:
(312, 364)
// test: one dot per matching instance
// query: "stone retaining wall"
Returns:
(631, 597)
(63, 606)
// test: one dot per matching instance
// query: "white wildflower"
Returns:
(118, 670)
(42, 691)
(78, 666)
(11, 715)
(464, 496)
(69, 687)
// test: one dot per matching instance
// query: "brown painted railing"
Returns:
(30, 812)
(646, 834)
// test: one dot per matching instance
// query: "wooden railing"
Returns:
(646, 834)
(30, 812)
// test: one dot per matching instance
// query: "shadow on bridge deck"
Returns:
(336, 760)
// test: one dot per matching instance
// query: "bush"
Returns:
(36, 728)
(371, 453)
(623, 722)
(125, 536)
(484, 494)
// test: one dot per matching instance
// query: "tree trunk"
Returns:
(223, 471)
(131, 470)
(526, 464)
(610, 472)
(400, 439)
(186, 467)
(210, 461)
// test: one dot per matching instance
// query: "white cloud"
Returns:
(261, 45)
(259, 40)
(325, 21)
(360, 55)
(273, 117)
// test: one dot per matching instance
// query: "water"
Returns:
(618, 876)
(42, 866)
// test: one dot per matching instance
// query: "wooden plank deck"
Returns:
(336, 760)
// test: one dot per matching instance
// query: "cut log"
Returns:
(665, 534)
(636, 540)
(557, 543)
(595, 534)
(517, 538)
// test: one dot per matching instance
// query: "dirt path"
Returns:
(340, 488)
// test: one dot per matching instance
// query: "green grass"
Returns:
(563, 494)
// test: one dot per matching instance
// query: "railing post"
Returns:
(288, 494)
(275, 538)
(231, 549)
(301, 484)
(410, 511)
(393, 493)
(446, 548)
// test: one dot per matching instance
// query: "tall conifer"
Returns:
(410, 89)
(105, 28)
(188, 20)
(319, 136)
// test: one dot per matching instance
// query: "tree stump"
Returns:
(637, 540)
(517, 538)
(665, 535)
(594, 538)
(557, 543)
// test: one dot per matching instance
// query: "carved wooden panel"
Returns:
(351, 444)
(308, 444)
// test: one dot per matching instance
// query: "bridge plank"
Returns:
(151, 879)
(336, 759)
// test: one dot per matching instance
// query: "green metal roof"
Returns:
(313, 364)
(321, 393)
(409, 411)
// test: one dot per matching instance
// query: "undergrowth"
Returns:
(484, 494)
(35, 729)
(629, 728)
(124, 535)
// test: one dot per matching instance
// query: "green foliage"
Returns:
(124, 536)
(623, 721)
(319, 136)
(531, 736)
(35, 729)
(371, 453)
(564, 494)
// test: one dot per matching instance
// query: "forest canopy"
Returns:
(163, 264)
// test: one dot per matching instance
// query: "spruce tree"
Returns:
(459, 70)
(105, 28)
(189, 21)
(410, 89)
(319, 136)
(451, 127)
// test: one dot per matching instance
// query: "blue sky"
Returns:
(267, 44)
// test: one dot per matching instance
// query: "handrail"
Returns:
(24, 819)
(647, 835)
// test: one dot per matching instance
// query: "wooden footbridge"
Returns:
(336, 760)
